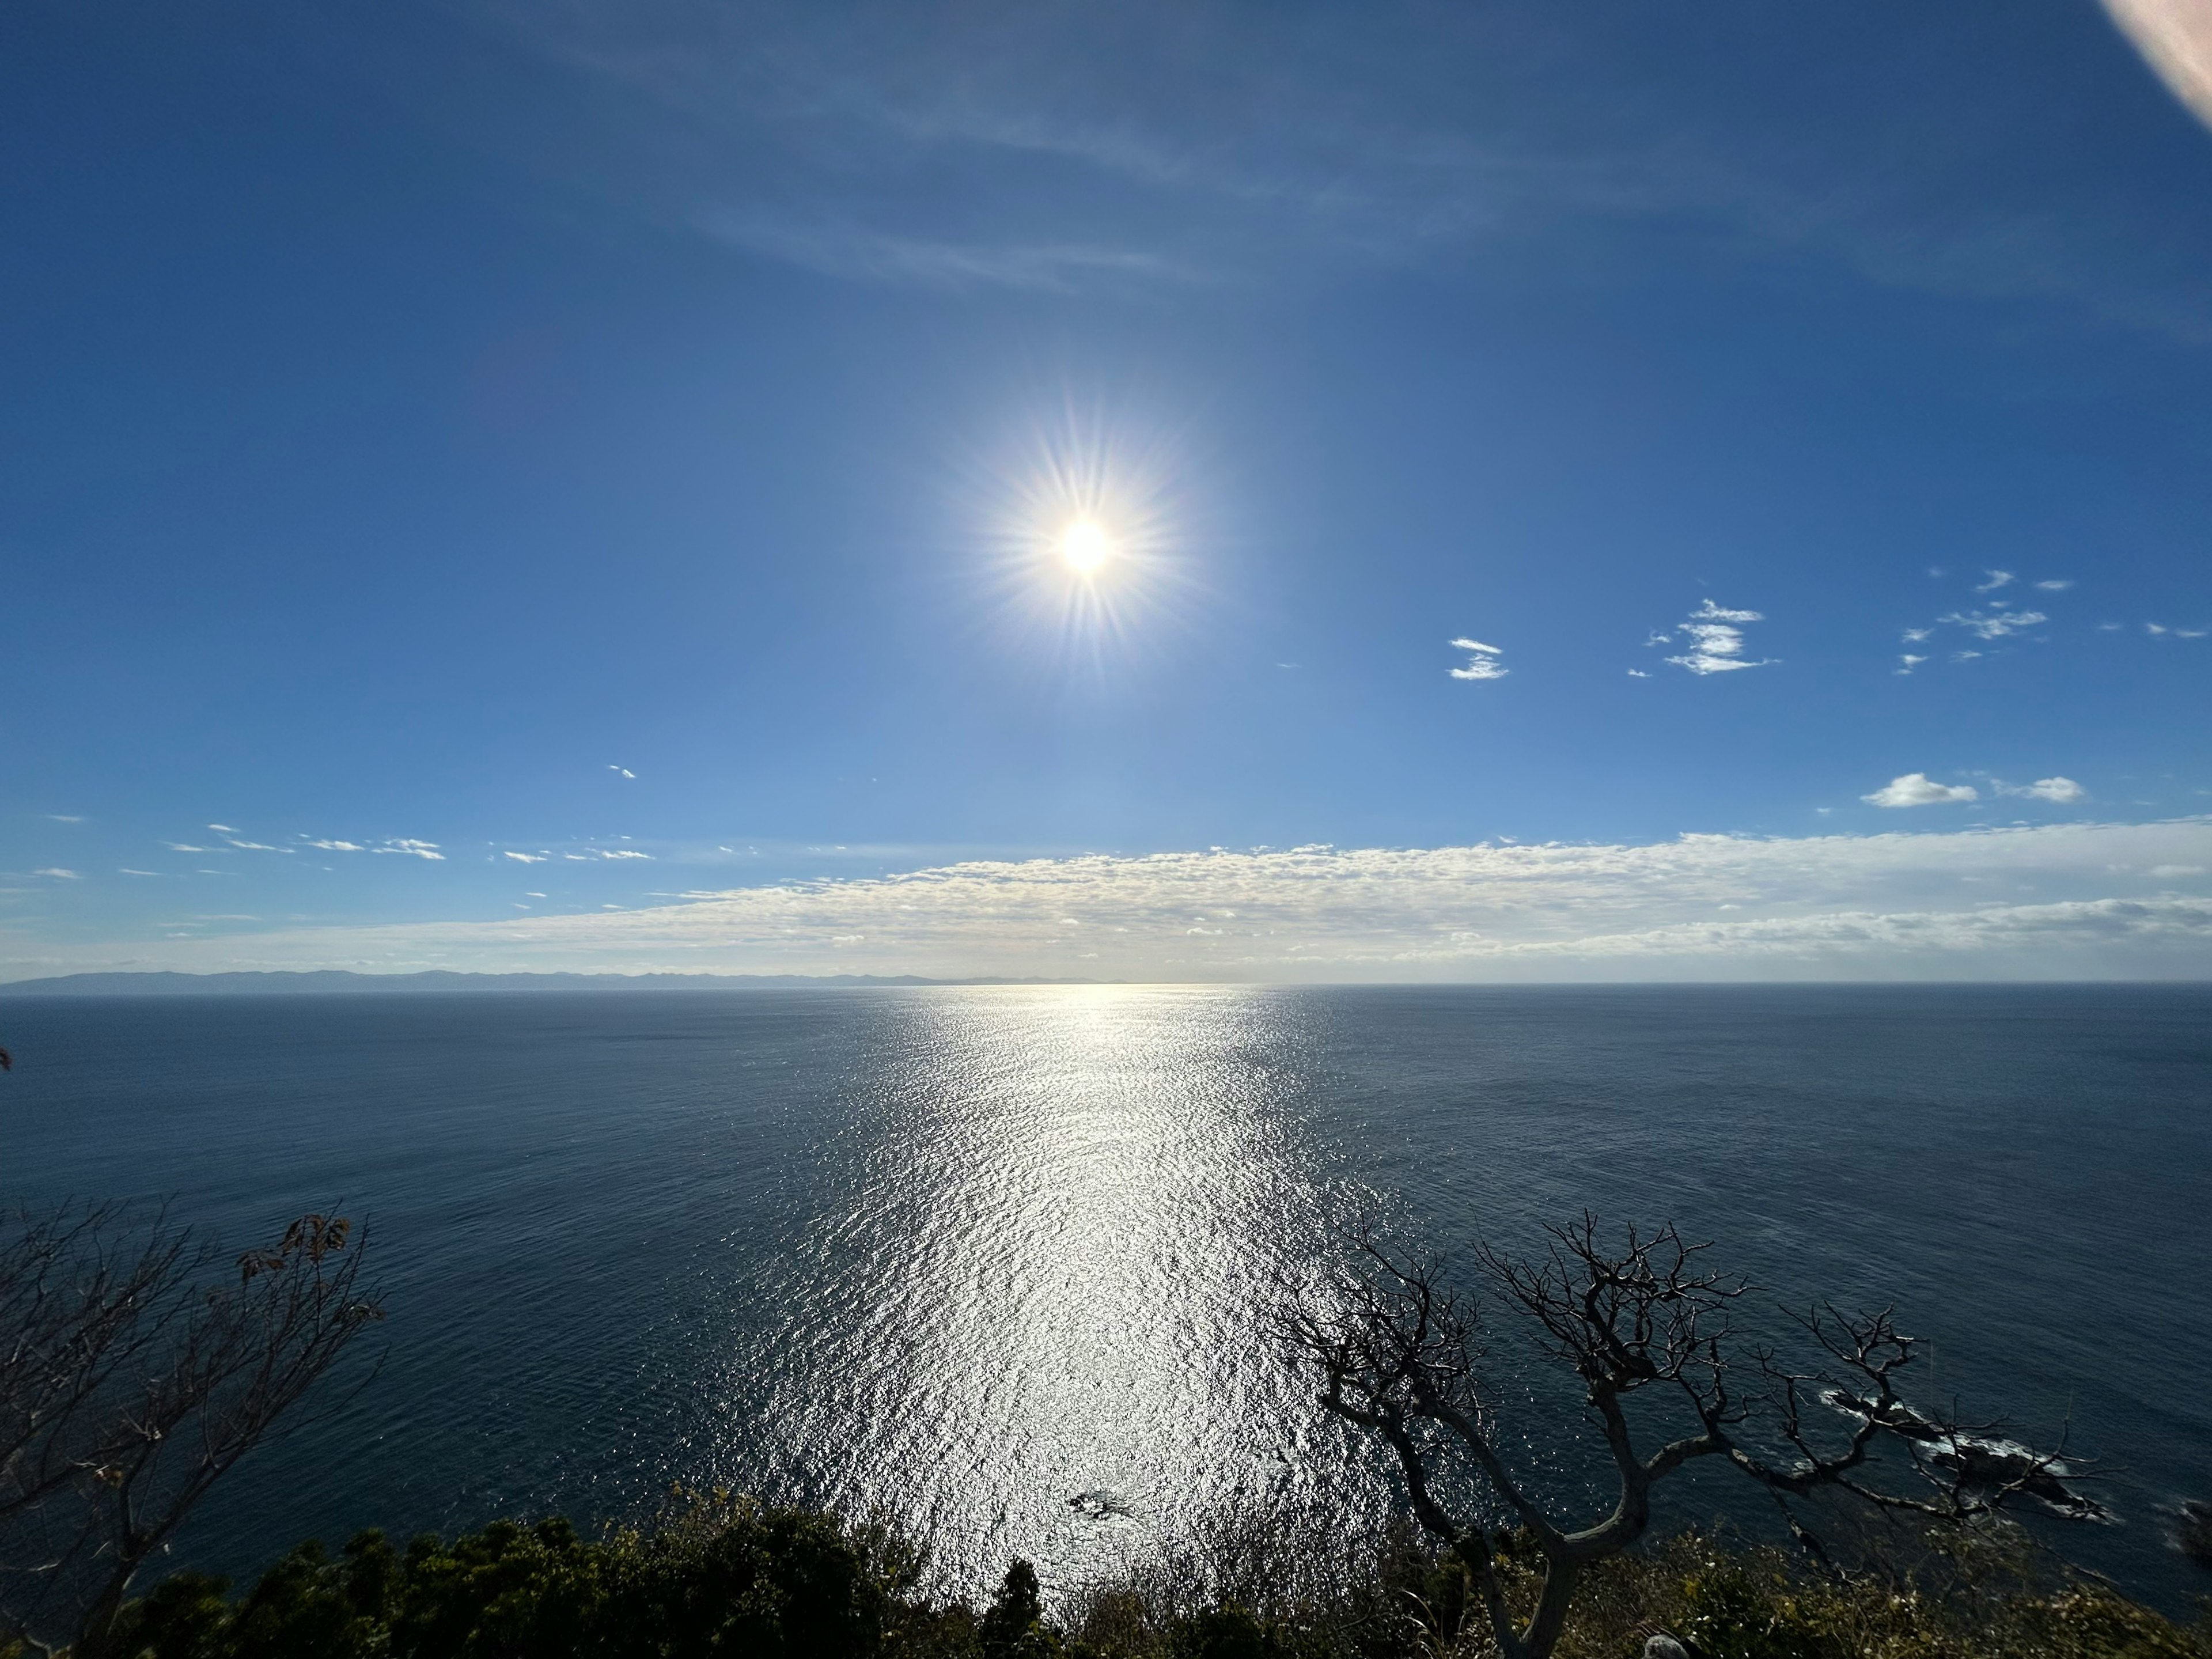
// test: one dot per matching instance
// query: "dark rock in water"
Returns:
(1982, 1465)
(1995, 1468)
(1099, 1504)
(2192, 1534)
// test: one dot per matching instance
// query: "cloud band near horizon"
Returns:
(2080, 900)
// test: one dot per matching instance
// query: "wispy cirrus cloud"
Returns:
(2065, 899)
(883, 257)
(1714, 635)
(409, 848)
(1995, 625)
(2001, 621)
(1049, 147)
(1482, 662)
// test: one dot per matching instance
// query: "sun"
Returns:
(1085, 546)
(1084, 529)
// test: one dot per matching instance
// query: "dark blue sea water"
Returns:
(990, 1257)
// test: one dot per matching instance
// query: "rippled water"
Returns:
(992, 1257)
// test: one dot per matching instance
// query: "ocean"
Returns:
(995, 1258)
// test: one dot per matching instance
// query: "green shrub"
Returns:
(1734, 1612)
(725, 1577)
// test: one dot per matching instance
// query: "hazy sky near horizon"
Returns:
(1601, 489)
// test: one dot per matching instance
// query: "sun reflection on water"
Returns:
(1033, 1326)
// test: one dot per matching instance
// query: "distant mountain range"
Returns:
(339, 981)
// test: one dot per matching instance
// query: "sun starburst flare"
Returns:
(1086, 534)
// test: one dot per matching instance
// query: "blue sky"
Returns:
(623, 451)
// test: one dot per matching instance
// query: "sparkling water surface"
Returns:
(992, 1258)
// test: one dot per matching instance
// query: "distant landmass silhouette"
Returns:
(343, 982)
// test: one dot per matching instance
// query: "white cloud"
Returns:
(411, 848)
(1911, 662)
(628, 852)
(186, 846)
(623, 770)
(226, 829)
(2064, 791)
(335, 846)
(2157, 629)
(527, 858)
(1638, 674)
(59, 874)
(1716, 639)
(1995, 625)
(2168, 872)
(1914, 635)
(1997, 579)
(1919, 789)
(127, 870)
(1954, 903)
(1482, 662)
(66, 817)
(2057, 585)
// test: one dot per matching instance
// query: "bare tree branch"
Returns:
(1393, 1347)
(135, 1373)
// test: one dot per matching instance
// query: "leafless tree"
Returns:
(1397, 1350)
(135, 1370)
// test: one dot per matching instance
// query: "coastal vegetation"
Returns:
(723, 1575)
